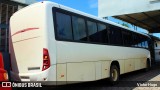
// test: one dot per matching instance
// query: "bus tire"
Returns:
(114, 74)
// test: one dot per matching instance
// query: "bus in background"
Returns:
(155, 49)
(3, 74)
(52, 42)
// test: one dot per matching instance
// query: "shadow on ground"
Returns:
(127, 81)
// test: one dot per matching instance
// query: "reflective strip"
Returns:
(34, 68)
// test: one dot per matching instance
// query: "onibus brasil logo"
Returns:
(15, 84)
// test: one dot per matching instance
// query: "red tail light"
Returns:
(46, 59)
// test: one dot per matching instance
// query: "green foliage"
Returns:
(125, 24)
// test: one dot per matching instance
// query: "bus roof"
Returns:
(53, 4)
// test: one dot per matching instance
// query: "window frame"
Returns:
(55, 9)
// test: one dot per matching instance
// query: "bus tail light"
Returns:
(5, 75)
(46, 59)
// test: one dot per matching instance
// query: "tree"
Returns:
(125, 24)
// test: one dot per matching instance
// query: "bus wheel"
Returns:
(114, 74)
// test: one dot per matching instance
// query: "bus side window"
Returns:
(127, 38)
(115, 36)
(143, 42)
(79, 29)
(102, 31)
(64, 29)
(92, 31)
(139, 41)
(155, 44)
(146, 44)
(134, 43)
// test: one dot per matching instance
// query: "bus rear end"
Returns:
(31, 57)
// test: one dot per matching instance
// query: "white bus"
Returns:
(52, 42)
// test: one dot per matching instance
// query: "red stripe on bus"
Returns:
(24, 30)
(26, 39)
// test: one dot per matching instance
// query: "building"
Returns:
(25, 1)
(142, 13)
(7, 8)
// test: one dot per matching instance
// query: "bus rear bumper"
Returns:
(37, 76)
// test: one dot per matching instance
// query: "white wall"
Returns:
(120, 7)
(25, 1)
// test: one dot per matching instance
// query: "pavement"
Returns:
(137, 80)
(152, 83)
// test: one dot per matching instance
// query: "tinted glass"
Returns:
(92, 31)
(102, 31)
(79, 29)
(64, 30)
(127, 38)
(115, 35)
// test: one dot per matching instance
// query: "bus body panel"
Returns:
(105, 69)
(98, 70)
(129, 65)
(61, 72)
(29, 35)
(29, 64)
(90, 53)
(50, 32)
(122, 66)
(82, 71)
(95, 52)
(75, 72)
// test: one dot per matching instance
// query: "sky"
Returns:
(87, 6)
(91, 7)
